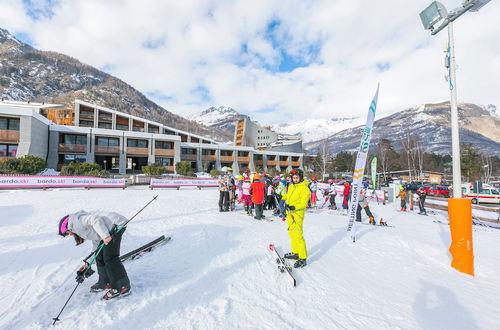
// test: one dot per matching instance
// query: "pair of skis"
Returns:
(282, 265)
(145, 248)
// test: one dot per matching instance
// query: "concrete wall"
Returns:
(33, 136)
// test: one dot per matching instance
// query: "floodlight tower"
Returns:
(459, 210)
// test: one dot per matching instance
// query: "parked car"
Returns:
(412, 186)
(438, 191)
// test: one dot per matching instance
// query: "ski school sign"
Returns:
(34, 181)
(177, 183)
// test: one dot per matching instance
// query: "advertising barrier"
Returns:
(34, 181)
(376, 195)
(177, 183)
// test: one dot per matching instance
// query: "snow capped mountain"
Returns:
(431, 124)
(319, 128)
(221, 117)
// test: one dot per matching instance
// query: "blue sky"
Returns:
(276, 61)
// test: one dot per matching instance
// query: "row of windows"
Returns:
(163, 161)
(132, 143)
(11, 124)
(186, 151)
(75, 139)
(8, 150)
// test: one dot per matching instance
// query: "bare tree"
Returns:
(407, 144)
(487, 166)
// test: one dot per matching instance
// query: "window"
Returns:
(74, 158)
(164, 161)
(226, 153)
(495, 192)
(132, 143)
(164, 145)
(11, 124)
(122, 127)
(86, 113)
(152, 129)
(105, 116)
(186, 151)
(86, 123)
(111, 142)
(138, 129)
(486, 192)
(168, 132)
(75, 139)
(104, 125)
(242, 153)
(206, 152)
(8, 150)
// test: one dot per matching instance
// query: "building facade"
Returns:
(120, 142)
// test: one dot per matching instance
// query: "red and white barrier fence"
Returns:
(177, 183)
(42, 181)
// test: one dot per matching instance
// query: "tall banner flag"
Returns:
(359, 169)
(374, 173)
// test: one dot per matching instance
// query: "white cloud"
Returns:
(202, 53)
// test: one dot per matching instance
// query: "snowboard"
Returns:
(145, 248)
(282, 266)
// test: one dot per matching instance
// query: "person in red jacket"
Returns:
(257, 189)
(347, 192)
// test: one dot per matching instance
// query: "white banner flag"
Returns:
(357, 176)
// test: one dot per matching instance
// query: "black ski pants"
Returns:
(224, 200)
(109, 266)
(403, 203)
(259, 209)
(421, 203)
(358, 212)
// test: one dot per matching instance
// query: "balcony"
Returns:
(209, 157)
(244, 159)
(137, 151)
(107, 150)
(283, 163)
(9, 135)
(188, 157)
(77, 148)
(271, 163)
(296, 164)
(165, 152)
(226, 159)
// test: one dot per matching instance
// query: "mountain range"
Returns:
(28, 74)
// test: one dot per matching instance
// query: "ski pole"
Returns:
(96, 253)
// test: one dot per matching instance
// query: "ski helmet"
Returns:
(240, 177)
(256, 176)
(63, 226)
(330, 180)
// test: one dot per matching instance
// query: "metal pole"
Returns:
(455, 141)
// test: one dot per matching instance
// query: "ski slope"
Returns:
(217, 273)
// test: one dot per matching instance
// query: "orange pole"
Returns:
(460, 214)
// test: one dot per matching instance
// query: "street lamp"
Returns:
(105, 167)
(133, 168)
(459, 209)
(430, 16)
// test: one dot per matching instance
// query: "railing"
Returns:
(87, 117)
(137, 151)
(208, 157)
(107, 149)
(271, 163)
(165, 152)
(188, 157)
(296, 164)
(9, 135)
(64, 147)
(226, 159)
(244, 159)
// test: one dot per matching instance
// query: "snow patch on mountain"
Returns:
(318, 128)
(213, 115)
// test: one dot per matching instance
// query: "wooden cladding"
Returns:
(77, 148)
(9, 135)
(226, 159)
(165, 152)
(188, 157)
(107, 150)
(137, 151)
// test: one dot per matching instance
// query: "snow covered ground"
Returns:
(216, 273)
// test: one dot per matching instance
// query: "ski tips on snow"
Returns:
(282, 265)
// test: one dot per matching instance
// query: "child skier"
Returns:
(240, 189)
(313, 186)
(257, 190)
(247, 201)
(296, 199)
(363, 204)
(280, 191)
(402, 195)
(99, 227)
(347, 191)
(421, 200)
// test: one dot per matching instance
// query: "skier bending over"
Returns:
(363, 204)
(99, 227)
(296, 199)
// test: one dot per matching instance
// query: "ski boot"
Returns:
(113, 293)
(382, 222)
(300, 263)
(291, 255)
(98, 287)
(372, 221)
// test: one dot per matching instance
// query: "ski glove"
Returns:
(81, 275)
